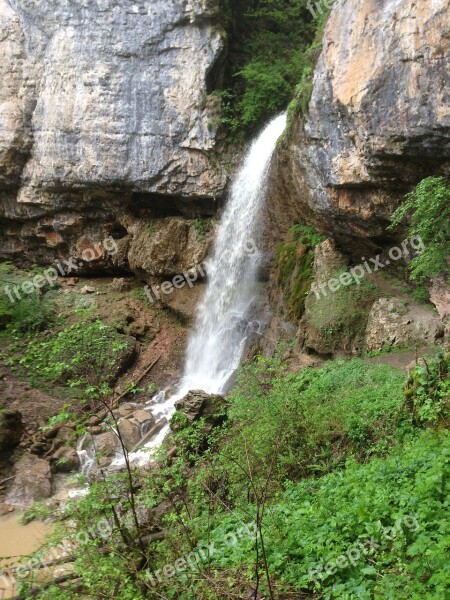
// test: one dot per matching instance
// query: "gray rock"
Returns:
(392, 323)
(104, 104)
(106, 444)
(378, 118)
(197, 404)
(32, 481)
(130, 433)
(65, 460)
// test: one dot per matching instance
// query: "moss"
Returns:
(295, 260)
(343, 315)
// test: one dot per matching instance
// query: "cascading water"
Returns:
(223, 322)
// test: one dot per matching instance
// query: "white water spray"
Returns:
(223, 323)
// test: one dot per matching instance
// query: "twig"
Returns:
(139, 379)
(7, 479)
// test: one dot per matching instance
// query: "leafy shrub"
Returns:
(316, 418)
(86, 353)
(27, 315)
(273, 45)
(428, 207)
(427, 394)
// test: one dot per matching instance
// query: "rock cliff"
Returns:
(378, 119)
(105, 116)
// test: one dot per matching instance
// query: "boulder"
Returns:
(106, 444)
(126, 409)
(151, 433)
(31, 483)
(11, 429)
(65, 460)
(130, 433)
(395, 323)
(142, 416)
(197, 404)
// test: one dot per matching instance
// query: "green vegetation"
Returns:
(85, 355)
(200, 228)
(343, 317)
(342, 471)
(27, 315)
(295, 267)
(273, 45)
(427, 395)
(428, 209)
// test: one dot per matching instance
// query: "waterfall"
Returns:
(223, 323)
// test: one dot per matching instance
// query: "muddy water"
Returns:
(16, 541)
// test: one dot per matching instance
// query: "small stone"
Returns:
(72, 281)
(120, 284)
(87, 290)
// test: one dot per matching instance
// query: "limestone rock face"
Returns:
(379, 116)
(106, 115)
(393, 323)
(112, 92)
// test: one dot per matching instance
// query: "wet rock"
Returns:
(106, 444)
(197, 404)
(395, 323)
(142, 416)
(11, 428)
(32, 481)
(65, 460)
(173, 247)
(130, 433)
(150, 434)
